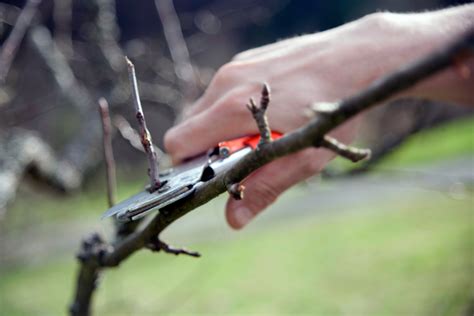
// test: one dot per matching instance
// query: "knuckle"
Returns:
(226, 73)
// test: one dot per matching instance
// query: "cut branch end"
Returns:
(145, 135)
(236, 191)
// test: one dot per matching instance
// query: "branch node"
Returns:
(236, 190)
(93, 249)
(352, 153)
(260, 117)
(157, 245)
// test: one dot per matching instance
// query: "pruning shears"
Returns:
(182, 180)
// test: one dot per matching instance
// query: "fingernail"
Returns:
(242, 216)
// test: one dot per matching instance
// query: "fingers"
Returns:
(228, 118)
(225, 79)
(264, 186)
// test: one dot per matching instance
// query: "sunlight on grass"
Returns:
(405, 259)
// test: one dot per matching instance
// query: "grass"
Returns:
(411, 257)
(445, 141)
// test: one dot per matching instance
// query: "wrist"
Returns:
(403, 38)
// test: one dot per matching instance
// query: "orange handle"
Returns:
(246, 141)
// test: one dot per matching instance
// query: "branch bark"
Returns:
(145, 135)
(259, 114)
(348, 152)
(299, 139)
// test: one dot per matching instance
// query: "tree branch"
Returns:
(297, 140)
(351, 153)
(179, 51)
(108, 152)
(145, 135)
(11, 45)
(131, 135)
(157, 245)
(260, 116)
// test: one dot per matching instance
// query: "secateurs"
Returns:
(182, 180)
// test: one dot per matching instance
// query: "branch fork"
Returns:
(259, 113)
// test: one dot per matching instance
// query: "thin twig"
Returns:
(13, 41)
(179, 51)
(62, 15)
(259, 113)
(158, 245)
(130, 134)
(352, 153)
(108, 152)
(145, 135)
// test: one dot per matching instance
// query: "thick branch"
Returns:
(11, 45)
(145, 135)
(90, 255)
(349, 152)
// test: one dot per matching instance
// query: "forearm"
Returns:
(418, 34)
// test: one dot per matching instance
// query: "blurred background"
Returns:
(393, 236)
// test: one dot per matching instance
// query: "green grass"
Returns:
(445, 141)
(413, 257)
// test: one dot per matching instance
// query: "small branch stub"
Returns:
(145, 135)
(236, 190)
(352, 153)
(259, 114)
(158, 245)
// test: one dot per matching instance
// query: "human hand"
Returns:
(321, 67)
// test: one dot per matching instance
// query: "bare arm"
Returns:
(321, 67)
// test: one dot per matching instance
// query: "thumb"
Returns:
(264, 185)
